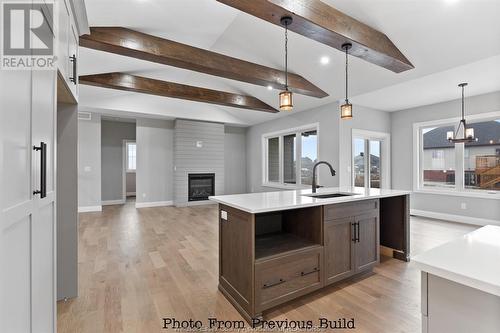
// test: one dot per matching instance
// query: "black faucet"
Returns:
(314, 186)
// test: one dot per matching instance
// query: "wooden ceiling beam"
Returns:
(133, 83)
(135, 44)
(316, 20)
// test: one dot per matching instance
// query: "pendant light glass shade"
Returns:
(286, 96)
(346, 108)
(463, 133)
(286, 100)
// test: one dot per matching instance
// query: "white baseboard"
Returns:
(453, 218)
(195, 203)
(86, 209)
(130, 193)
(112, 202)
(153, 204)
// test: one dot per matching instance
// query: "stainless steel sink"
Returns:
(329, 195)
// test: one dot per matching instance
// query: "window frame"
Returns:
(298, 155)
(127, 143)
(459, 189)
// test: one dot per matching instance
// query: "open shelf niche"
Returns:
(277, 233)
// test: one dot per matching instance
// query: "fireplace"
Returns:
(200, 186)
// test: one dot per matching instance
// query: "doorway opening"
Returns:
(370, 159)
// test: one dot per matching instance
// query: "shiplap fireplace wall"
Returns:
(198, 148)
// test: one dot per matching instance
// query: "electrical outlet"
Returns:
(463, 205)
(223, 215)
(144, 195)
(87, 169)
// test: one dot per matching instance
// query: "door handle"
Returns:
(43, 170)
(357, 234)
(73, 60)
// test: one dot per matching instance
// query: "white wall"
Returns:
(235, 160)
(327, 116)
(402, 157)
(154, 174)
(89, 163)
(112, 135)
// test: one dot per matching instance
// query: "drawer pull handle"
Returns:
(269, 285)
(310, 272)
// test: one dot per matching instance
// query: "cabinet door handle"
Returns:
(357, 234)
(354, 233)
(73, 60)
(310, 272)
(272, 284)
(43, 170)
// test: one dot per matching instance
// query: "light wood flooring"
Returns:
(137, 266)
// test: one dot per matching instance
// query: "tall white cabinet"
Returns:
(28, 100)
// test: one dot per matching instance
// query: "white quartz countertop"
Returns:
(282, 200)
(472, 260)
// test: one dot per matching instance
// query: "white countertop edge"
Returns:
(317, 202)
(458, 278)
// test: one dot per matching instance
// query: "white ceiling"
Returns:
(448, 41)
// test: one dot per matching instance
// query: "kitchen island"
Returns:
(277, 246)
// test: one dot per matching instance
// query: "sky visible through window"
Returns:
(359, 145)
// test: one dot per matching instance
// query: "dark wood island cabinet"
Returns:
(271, 257)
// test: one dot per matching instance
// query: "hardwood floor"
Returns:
(137, 266)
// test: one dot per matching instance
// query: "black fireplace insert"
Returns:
(200, 186)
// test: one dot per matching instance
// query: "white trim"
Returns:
(86, 209)
(458, 189)
(280, 134)
(483, 194)
(385, 154)
(153, 204)
(454, 218)
(200, 203)
(112, 202)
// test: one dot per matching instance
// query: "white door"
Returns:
(27, 221)
(370, 159)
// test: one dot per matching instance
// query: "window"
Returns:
(438, 157)
(289, 156)
(131, 156)
(471, 167)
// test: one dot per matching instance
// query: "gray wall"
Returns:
(154, 174)
(112, 135)
(402, 157)
(67, 201)
(192, 159)
(89, 162)
(328, 118)
(235, 160)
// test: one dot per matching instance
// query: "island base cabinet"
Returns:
(351, 241)
(287, 277)
(339, 253)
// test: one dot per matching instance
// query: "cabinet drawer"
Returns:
(281, 279)
(342, 210)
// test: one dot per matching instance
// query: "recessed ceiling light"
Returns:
(269, 87)
(324, 60)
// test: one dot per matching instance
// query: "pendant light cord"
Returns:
(346, 74)
(286, 56)
(463, 107)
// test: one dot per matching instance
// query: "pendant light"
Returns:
(463, 133)
(346, 108)
(286, 97)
